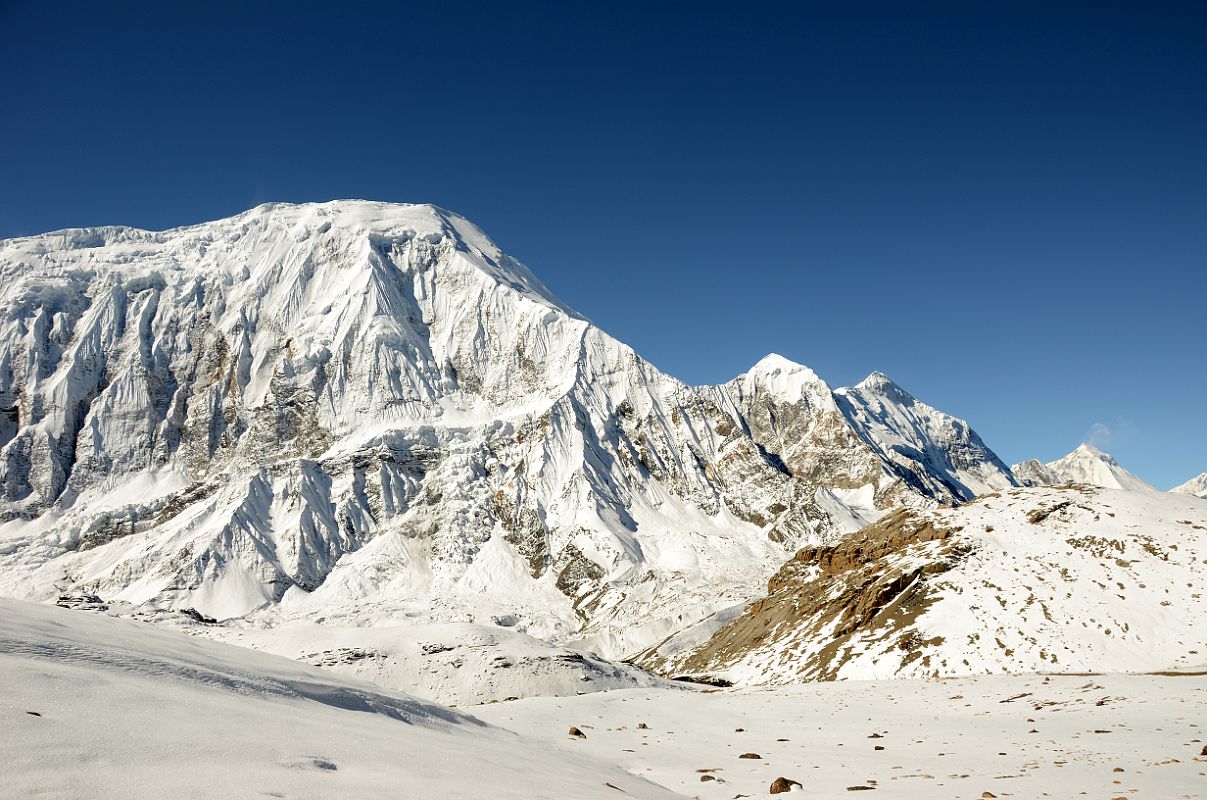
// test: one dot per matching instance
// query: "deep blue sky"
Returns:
(1002, 207)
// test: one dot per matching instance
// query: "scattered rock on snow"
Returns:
(781, 785)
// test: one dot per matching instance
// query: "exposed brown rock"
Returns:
(575, 732)
(826, 595)
(781, 785)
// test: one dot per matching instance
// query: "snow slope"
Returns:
(1031, 736)
(1196, 486)
(453, 663)
(1086, 464)
(101, 708)
(368, 413)
(1073, 579)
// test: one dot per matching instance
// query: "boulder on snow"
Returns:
(781, 785)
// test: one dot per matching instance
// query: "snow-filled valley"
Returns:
(102, 708)
(319, 487)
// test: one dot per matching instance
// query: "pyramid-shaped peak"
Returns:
(879, 383)
(784, 378)
(1088, 450)
(774, 362)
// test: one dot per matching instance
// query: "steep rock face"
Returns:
(790, 411)
(357, 410)
(1073, 579)
(1087, 464)
(933, 452)
(1033, 472)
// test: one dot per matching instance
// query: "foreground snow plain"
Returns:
(102, 708)
(1021, 736)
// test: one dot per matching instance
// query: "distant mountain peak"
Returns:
(1087, 448)
(774, 362)
(1196, 486)
(880, 384)
(877, 380)
(1086, 464)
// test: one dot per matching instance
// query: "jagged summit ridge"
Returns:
(356, 408)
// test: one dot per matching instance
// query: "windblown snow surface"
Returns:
(110, 709)
(116, 710)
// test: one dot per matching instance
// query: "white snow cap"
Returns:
(1085, 448)
(880, 384)
(1088, 464)
(782, 377)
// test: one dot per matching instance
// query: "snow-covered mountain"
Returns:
(362, 412)
(1087, 464)
(1196, 486)
(1071, 579)
(934, 452)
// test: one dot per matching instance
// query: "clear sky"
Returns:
(1002, 206)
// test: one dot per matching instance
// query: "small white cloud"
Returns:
(1100, 434)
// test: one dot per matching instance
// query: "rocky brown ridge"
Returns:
(873, 580)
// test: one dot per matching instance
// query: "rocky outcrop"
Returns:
(1076, 578)
(869, 582)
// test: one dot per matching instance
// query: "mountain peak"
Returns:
(774, 362)
(880, 384)
(782, 377)
(1086, 464)
(877, 381)
(1086, 449)
(1088, 452)
(1196, 486)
